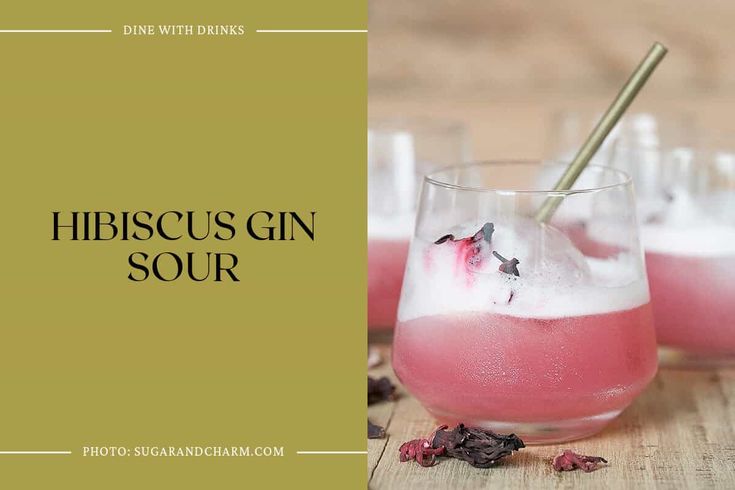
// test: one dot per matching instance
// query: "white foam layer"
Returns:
(398, 227)
(555, 281)
(709, 240)
(685, 226)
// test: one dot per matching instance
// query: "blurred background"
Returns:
(508, 68)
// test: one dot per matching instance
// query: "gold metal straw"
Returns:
(603, 128)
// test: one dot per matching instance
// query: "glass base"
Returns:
(672, 358)
(539, 433)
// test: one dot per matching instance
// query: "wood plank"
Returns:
(679, 434)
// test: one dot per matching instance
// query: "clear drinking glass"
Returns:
(541, 330)
(686, 206)
(400, 153)
(569, 128)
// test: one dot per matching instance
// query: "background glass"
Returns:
(400, 152)
(569, 128)
(686, 203)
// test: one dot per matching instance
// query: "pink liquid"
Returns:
(484, 368)
(386, 264)
(693, 301)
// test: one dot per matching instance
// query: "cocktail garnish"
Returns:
(421, 451)
(479, 447)
(375, 431)
(568, 460)
(508, 266)
(444, 239)
(484, 233)
(468, 249)
(380, 389)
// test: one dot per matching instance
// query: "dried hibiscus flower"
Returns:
(380, 389)
(479, 447)
(569, 460)
(421, 451)
(470, 247)
(484, 233)
(375, 431)
(508, 266)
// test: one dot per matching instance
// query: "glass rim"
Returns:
(701, 149)
(432, 179)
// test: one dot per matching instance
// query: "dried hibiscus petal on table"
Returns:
(380, 389)
(375, 431)
(569, 460)
(419, 450)
(481, 448)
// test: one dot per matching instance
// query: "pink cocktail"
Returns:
(400, 152)
(686, 207)
(507, 325)
(691, 272)
(556, 377)
(696, 317)
(386, 263)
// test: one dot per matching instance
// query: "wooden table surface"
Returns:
(680, 433)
